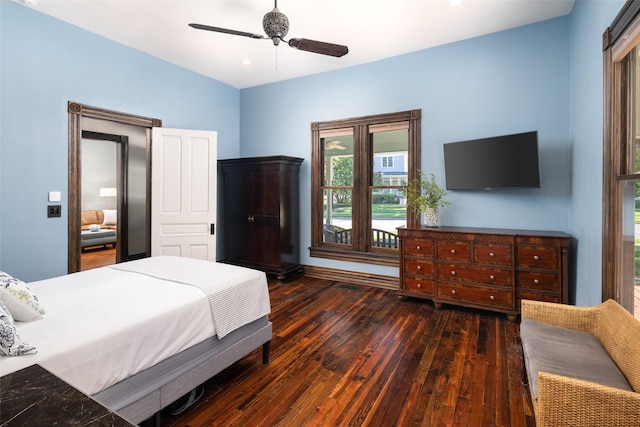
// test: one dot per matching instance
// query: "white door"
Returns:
(183, 193)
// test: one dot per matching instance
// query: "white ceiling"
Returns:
(372, 29)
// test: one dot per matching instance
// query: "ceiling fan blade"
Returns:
(319, 47)
(226, 31)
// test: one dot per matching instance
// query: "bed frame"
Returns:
(145, 394)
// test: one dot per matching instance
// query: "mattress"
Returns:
(107, 324)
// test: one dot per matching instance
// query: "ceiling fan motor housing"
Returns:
(275, 25)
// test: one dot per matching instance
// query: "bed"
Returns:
(136, 336)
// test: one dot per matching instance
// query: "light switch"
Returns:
(54, 196)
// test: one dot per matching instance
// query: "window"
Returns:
(359, 168)
(621, 190)
(387, 161)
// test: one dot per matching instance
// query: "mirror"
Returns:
(99, 200)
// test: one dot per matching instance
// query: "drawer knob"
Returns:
(536, 257)
(536, 281)
(419, 286)
(453, 251)
(453, 291)
(419, 268)
(419, 247)
(491, 254)
(492, 277)
(492, 298)
(453, 272)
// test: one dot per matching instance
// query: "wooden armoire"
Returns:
(261, 218)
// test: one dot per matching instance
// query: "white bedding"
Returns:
(106, 324)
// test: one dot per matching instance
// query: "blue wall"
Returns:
(508, 82)
(545, 77)
(44, 63)
(589, 19)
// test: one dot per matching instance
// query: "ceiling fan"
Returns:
(334, 145)
(276, 26)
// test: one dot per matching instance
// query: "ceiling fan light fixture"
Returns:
(275, 25)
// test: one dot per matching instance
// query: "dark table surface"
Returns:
(35, 397)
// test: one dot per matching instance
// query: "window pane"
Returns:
(636, 133)
(338, 156)
(630, 267)
(338, 185)
(390, 170)
(387, 214)
(336, 216)
(629, 290)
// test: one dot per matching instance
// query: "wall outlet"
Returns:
(54, 211)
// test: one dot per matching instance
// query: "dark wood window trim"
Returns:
(618, 40)
(360, 125)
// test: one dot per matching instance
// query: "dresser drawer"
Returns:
(475, 294)
(470, 273)
(423, 267)
(419, 247)
(536, 297)
(487, 253)
(416, 284)
(454, 250)
(543, 257)
(537, 281)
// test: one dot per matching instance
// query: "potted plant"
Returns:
(425, 196)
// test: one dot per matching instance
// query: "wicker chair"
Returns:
(564, 401)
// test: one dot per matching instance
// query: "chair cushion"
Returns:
(567, 352)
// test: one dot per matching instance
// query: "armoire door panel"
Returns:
(266, 195)
(266, 234)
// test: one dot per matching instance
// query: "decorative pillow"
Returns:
(110, 216)
(89, 217)
(10, 342)
(19, 299)
(94, 227)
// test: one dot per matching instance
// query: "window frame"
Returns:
(358, 251)
(619, 112)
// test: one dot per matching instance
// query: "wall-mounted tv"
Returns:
(509, 161)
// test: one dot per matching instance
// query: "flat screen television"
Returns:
(509, 161)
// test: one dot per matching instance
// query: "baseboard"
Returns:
(367, 279)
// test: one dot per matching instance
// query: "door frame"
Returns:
(76, 112)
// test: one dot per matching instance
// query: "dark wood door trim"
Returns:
(76, 112)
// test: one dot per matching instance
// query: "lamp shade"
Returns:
(107, 192)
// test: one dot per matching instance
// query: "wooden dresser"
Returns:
(491, 269)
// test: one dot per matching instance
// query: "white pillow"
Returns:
(10, 342)
(110, 216)
(94, 227)
(21, 302)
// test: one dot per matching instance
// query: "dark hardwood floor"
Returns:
(350, 355)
